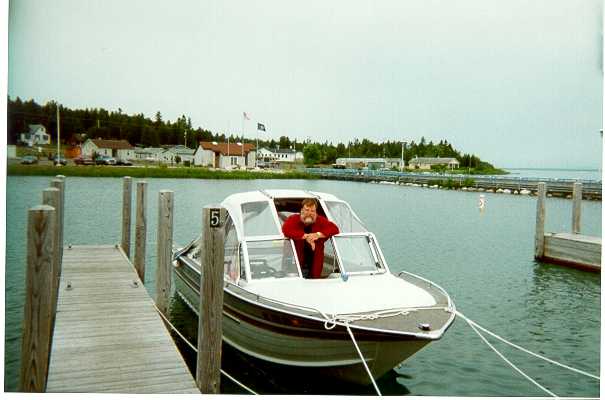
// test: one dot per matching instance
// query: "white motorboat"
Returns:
(271, 312)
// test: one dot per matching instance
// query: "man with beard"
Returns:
(309, 232)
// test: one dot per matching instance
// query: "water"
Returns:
(582, 174)
(484, 261)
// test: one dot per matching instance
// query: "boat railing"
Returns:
(433, 284)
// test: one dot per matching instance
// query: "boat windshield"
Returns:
(271, 259)
(258, 219)
(357, 254)
(344, 218)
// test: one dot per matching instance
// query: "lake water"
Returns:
(582, 174)
(483, 260)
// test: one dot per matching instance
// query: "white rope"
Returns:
(362, 359)
(471, 322)
(510, 363)
(347, 318)
(195, 349)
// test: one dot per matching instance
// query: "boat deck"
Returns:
(108, 335)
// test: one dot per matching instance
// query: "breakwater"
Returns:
(489, 183)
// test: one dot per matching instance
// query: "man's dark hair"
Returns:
(309, 203)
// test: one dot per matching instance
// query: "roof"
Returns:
(433, 160)
(148, 150)
(180, 149)
(285, 151)
(231, 149)
(359, 160)
(112, 144)
(34, 127)
(233, 203)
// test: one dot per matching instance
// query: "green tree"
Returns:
(312, 154)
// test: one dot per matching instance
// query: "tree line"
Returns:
(140, 130)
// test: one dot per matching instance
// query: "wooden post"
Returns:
(210, 328)
(51, 197)
(60, 184)
(164, 245)
(540, 217)
(35, 347)
(576, 212)
(126, 214)
(141, 230)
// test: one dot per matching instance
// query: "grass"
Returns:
(149, 172)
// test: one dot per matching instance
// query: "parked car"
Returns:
(58, 160)
(83, 161)
(29, 160)
(105, 160)
(123, 161)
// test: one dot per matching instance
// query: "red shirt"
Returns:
(294, 229)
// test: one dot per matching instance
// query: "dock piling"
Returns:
(35, 347)
(540, 217)
(210, 328)
(164, 246)
(141, 230)
(59, 183)
(577, 207)
(126, 213)
(51, 197)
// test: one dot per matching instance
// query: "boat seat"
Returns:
(283, 215)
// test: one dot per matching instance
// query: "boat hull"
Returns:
(279, 337)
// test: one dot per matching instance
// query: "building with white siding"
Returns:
(225, 155)
(36, 135)
(113, 148)
(427, 162)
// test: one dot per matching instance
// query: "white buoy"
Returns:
(481, 202)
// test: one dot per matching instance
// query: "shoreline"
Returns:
(93, 171)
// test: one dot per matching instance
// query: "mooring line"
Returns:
(362, 359)
(510, 363)
(471, 322)
(195, 349)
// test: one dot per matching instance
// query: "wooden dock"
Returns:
(89, 324)
(573, 249)
(569, 249)
(108, 336)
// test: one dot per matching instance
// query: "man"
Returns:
(309, 232)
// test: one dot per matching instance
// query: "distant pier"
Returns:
(592, 190)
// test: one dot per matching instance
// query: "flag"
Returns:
(261, 127)
(246, 116)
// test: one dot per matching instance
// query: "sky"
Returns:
(518, 83)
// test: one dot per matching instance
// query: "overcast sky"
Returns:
(517, 82)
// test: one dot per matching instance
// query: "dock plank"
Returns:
(108, 336)
(574, 249)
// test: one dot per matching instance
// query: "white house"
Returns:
(148, 153)
(170, 155)
(113, 148)
(36, 135)
(279, 155)
(225, 155)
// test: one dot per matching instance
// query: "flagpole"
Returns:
(58, 136)
(243, 121)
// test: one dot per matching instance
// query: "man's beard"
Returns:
(308, 220)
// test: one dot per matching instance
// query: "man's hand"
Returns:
(312, 237)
